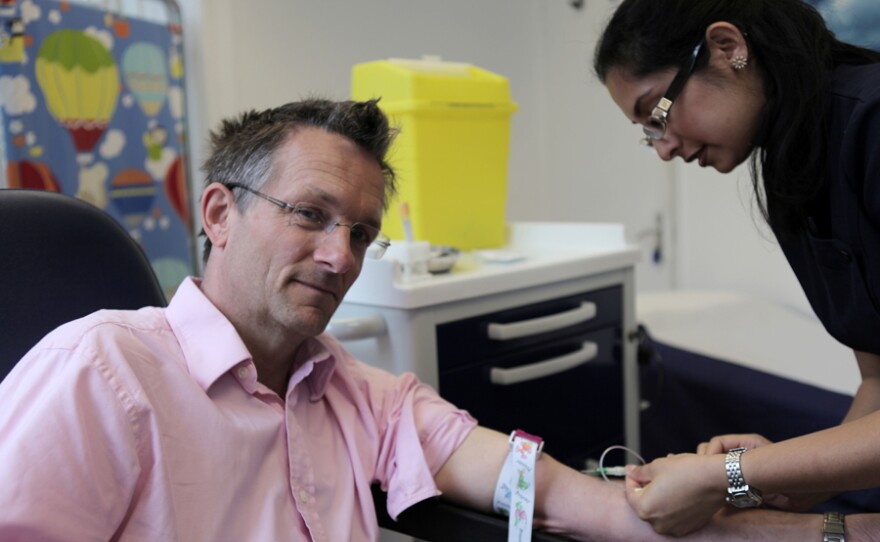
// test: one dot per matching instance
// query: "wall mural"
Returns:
(93, 106)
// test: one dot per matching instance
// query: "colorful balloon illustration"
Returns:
(80, 81)
(176, 190)
(146, 74)
(175, 61)
(132, 192)
(170, 271)
(7, 8)
(12, 45)
(34, 175)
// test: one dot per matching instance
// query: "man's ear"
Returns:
(217, 206)
(726, 41)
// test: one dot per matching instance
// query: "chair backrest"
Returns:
(61, 259)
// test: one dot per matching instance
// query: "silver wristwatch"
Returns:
(739, 493)
(832, 528)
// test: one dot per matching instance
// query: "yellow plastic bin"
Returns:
(451, 154)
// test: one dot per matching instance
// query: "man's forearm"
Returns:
(588, 508)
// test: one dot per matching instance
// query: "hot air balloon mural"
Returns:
(12, 43)
(120, 26)
(79, 79)
(92, 100)
(170, 272)
(33, 175)
(145, 71)
(175, 61)
(132, 192)
(155, 139)
(176, 189)
(7, 8)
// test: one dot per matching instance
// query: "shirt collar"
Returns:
(211, 345)
(315, 364)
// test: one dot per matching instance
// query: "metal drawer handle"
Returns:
(358, 327)
(505, 332)
(540, 369)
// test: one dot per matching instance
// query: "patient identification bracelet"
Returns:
(516, 485)
(833, 528)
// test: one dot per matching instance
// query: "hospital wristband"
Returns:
(515, 489)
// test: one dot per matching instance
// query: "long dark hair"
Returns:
(795, 53)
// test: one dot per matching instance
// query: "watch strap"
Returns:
(833, 527)
(738, 491)
(732, 465)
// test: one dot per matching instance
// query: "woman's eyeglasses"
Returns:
(655, 126)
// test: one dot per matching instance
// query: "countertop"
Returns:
(539, 253)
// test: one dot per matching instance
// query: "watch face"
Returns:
(744, 500)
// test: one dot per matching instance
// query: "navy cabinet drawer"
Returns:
(579, 412)
(464, 341)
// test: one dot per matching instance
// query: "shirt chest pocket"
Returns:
(842, 295)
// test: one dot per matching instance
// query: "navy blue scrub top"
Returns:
(837, 260)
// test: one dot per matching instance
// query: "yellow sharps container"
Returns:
(452, 151)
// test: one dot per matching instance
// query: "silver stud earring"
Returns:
(739, 62)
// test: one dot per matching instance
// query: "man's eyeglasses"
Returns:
(366, 240)
(655, 126)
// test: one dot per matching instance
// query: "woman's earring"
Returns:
(739, 62)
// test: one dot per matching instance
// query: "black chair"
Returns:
(435, 520)
(62, 258)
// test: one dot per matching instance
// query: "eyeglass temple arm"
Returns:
(683, 75)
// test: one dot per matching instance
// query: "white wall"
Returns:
(573, 155)
(723, 241)
(594, 169)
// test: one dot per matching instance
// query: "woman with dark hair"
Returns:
(721, 82)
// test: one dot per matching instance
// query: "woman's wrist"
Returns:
(739, 492)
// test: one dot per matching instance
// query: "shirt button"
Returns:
(243, 372)
(303, 495)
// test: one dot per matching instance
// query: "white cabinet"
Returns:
(538, 343)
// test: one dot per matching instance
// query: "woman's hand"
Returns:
(724, 443)
(677, 494)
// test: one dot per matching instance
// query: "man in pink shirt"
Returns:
(229, 415)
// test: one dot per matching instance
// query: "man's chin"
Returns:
(307, 321)
(313, 328)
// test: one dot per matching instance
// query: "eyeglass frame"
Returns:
(660, 112)
(375, 249)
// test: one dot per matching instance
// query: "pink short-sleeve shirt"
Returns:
(151, 425)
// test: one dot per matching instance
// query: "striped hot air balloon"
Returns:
(33, 175)
(80, 82)
(145, 72)
(132, 192)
